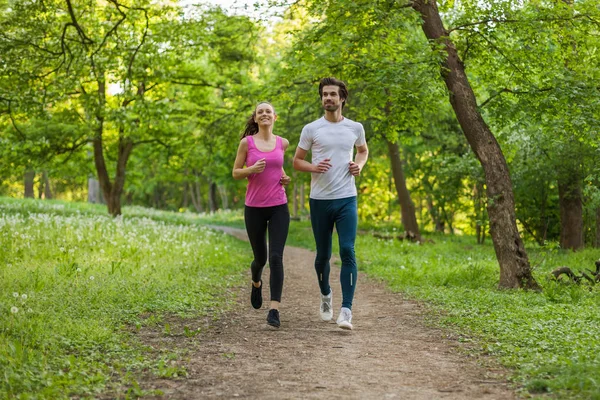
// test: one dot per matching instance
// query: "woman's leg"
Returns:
(279, 224)
(256, 227)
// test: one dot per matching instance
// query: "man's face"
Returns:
(331, 99)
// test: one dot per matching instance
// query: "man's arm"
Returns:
(300, 164)
(362, 154)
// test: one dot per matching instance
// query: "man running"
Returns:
(332, 139)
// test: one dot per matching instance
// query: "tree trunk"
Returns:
(301, 198)
(571, 212)
(480, 217)
(433, 209)
(597, 238)
(94, 195)
(295, 197)
(223, 195)
(47, 188)
(29, 178)
(212, 197)
(447, 219)
(435, 215)
(196, 195)
(186, 189)
(515, 271)
(407, 207)
(112, 191)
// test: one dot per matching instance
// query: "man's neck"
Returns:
(334, 116)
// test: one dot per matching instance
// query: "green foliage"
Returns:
(548, 339)
(76, 285)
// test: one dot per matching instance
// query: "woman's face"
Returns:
(265, 114)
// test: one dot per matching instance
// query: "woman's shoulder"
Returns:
(244, 142)
(284, 142)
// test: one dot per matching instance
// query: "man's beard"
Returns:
(331, 107)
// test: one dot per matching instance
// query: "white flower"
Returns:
(78, 269)
(14, 310)
(24, 296)
(15, 294)
(101, 251)
(62, 249)
(92, 278)
(402, 267)
(29, 310)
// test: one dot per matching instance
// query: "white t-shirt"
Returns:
(336, 141)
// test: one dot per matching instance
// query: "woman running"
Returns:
(266, 206)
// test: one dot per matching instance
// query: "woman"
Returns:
(266, 202)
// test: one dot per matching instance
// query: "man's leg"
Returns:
(346, 224)
(322, 226)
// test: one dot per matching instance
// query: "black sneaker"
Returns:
(256, 296)
(273, 318)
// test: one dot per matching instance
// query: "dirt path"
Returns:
(391, 353)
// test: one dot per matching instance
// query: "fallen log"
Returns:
(591, 276)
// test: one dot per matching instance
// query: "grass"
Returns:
(75, 286)
(549, 339)
(75, 336)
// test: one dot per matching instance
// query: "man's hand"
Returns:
(323, 166)
(354, 168)
(285, 180)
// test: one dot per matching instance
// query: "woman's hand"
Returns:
(259, 166)
(285, 180)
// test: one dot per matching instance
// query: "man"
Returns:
(332, 139)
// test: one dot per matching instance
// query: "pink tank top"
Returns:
(264, 189)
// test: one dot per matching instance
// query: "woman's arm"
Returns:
(239, 172)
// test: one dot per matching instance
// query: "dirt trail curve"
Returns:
(390, 354)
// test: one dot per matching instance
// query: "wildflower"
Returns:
(15, 294)
(92, 278)
(14, 310)
(78, 269)
(29, 310)
(101, 251)
(62, 249)
(24, 296)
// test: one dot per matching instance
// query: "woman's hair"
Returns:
(251, 125)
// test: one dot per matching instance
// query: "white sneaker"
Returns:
(326, 310)
(344, 320)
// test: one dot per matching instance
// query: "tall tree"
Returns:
(515, 271)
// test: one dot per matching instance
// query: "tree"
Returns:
(515, 271)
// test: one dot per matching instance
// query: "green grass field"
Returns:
(76, 285)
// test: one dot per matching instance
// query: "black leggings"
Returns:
(277, 220)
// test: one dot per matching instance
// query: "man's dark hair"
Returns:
(343, 90)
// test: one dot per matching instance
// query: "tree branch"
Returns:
(82, 35)
(200, 84)
(518, 21)
(151, 141)
(507, 90)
